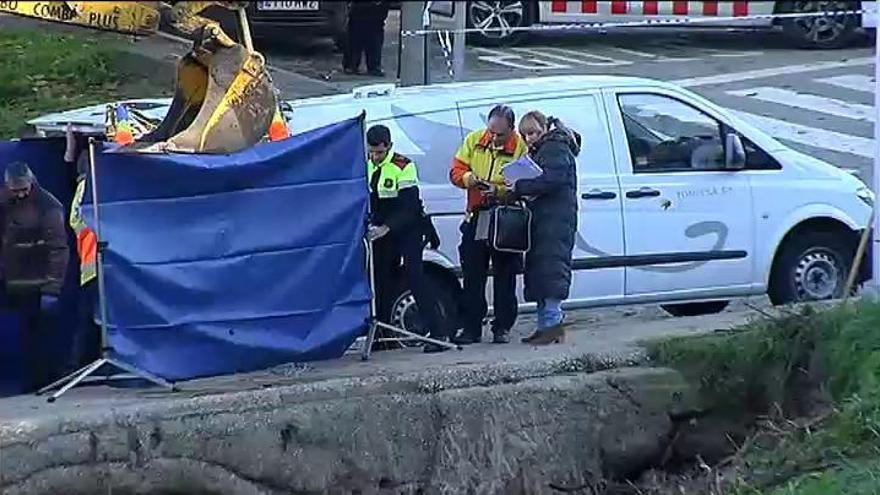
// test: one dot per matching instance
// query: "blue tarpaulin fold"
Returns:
(218, 264)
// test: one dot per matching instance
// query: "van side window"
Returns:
(429, 139)
(581, 113)
(758, 159)
(667, 135)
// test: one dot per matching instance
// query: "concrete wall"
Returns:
(357, 436)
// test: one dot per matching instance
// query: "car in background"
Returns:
(277, 22)
(498, 23)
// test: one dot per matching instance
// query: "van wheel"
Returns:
(825, 32)
(495, 19)
(811, 267)
(696, 309)
(405, 315)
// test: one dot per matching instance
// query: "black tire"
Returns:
(696, 309)
(515, 13)
(812, 266)
(404, 312)
(827, 32)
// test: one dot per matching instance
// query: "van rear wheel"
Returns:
(696, 309)
(812, 266)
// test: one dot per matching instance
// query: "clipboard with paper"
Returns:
(521, 168)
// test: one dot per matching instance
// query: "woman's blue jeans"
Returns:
(549, 313)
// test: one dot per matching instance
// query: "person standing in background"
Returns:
(86, 333)
(365, 37)
(34, 263)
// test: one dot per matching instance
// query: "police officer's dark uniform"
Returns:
(395, 203)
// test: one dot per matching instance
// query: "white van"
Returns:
(681, 203)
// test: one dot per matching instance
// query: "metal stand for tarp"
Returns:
(376, 324)
(84, 374)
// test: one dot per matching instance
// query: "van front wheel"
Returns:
(812, 266)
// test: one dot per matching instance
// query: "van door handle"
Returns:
(597, 194)
(645, 192)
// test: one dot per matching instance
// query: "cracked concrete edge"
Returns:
(124, 451)
(423, 382)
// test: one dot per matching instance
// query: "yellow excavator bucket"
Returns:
(224, 100)
(221, 106)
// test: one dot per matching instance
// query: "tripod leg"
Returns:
(143, 374)
(368, 342)
(418, 337)
(88, 370)
(63, 380)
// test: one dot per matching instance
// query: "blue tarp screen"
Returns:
(218, 264)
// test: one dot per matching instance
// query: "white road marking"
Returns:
(634, 52)
(714, 52)
(856, 82)
(516, 61)
(599, 59)
(563, 58)
(771, 72)
(811, 136)
(805, 101)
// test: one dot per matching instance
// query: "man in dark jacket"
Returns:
(366, 35)
(34, 261)
(553, 202)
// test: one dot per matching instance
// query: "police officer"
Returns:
(397, 229)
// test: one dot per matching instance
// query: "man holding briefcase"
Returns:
(477, 168)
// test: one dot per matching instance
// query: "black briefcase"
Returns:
(510, 228)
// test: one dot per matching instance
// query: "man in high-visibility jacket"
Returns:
(477, 168)
(86, 336)
(397, 229)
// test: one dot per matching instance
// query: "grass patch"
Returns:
(773, 370)
(44, 72)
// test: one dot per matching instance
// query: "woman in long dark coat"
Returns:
(552, 198)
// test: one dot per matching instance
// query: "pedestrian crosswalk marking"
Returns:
(597, 59)
(856, 82)
(517, 62)
(809, 102)
(810, 136)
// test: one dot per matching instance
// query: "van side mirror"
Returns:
(734, 153)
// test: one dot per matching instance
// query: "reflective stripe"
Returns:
(87, 248)
(86, 240)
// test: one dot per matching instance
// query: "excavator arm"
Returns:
(224, 99)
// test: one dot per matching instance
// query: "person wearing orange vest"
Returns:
(86, 337)
(477, 169)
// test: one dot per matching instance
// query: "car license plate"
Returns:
(282, 5)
